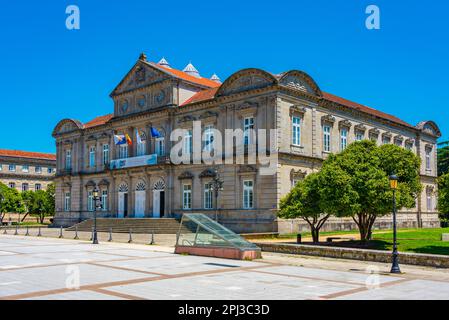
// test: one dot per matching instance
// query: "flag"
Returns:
(139, 137)
(155, 133)
(119, 140)
(128, 140)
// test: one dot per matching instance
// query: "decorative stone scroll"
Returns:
(328, 119)
(186, 175)
(208, 173)
(297, 174)
(344, 124)
(297, 109)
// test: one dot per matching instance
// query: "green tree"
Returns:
(443, 197)
(443, 158)
(41, 203)
(11, 201)
(367, 193)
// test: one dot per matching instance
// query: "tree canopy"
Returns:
(443, 197)
(443, 158)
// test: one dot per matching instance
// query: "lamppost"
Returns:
(216, 185)
(97, 204)
(394, 185)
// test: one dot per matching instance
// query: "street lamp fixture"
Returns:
(216, 186)
(394, 186)
(97, 204)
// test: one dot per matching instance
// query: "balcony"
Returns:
(148, 160)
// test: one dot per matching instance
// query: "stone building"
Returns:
(140, 180)
(27, 170)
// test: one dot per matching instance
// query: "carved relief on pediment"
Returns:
(186, 176)
(296, 83)
(328, 119)
(246, 83)
(297, 174)
(139, 77)
(360, 128)
(345, 124)
(247, 169)
(297, 109)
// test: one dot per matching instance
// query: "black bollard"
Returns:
(27, 233)
(130, 236)
(299, 238)
(4, 231)
(60, 233)
(76, 233)
(152, 238)
(17, 231)
(39, 233)
(110, 235)
(92, 235)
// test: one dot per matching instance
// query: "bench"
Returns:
(331, 239)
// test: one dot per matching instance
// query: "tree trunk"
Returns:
(315, 235)
(365, 224)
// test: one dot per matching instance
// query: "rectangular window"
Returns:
(25, 187)
(90, 201)
(429, 202)
(428, 159)
(386, 140)
(12, 168)
(38, 169)
(50, 170)
(343, 139)
(296, 131)
(67, 201)
(248, 194)
(37, 187)
(208, 138)
(123, 151)
(160, 147)
(106, 154)
(141, 148)
(12, 185)
(187, 196)
(104, 200)
(25, 168)
(408, 146)
(92, 156)
(188, 142)
(359, 136)
(326, 138)
(248, 128)
(68, 159)
(208, 196)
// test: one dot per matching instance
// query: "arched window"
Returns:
(141, 143)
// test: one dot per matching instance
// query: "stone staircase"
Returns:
(156, 226)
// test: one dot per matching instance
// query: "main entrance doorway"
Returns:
(123, 201)
(159, 199)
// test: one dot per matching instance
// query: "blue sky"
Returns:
(49, 73)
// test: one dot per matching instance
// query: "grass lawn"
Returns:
(409, 240)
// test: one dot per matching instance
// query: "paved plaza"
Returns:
(45, 268)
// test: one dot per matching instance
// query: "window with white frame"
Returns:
(429, 200)
(12, 168)
(208, 196)
(37, 187)
(104, 200)
(12, 185)
(67, 201)
(248, 194)
(408, 146)
(90, 201)
(187, 196)
(49, 170)
(160, 147)
(343, 138)
(386, 140)
(296, 131)
(188, 142)
(25, 168)
(248, 127)
(327, 138)
(123, 151)
(428, 154)
(38, 169)
(209, 138)
(359, 136)
(25, 187)
(92, 150)
(68, 159)
(106, 154)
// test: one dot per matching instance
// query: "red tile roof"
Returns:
(182, 75)
(25, 154)
(360, 107)
(202, 96)
(98, 121)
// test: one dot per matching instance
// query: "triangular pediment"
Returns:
(142, 74)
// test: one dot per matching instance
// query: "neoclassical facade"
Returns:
(141, 180)
(27, 171)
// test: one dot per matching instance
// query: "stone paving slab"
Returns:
(41, 268)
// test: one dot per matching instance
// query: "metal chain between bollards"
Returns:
(130, 236)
